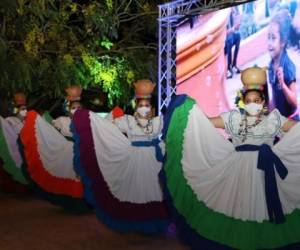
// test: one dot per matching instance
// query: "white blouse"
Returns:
(15, 123)
(62, 124)
(135, 132)
(264, 132)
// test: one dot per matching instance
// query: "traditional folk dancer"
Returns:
(63, 123)
(9, 133)
(20, 111)
(49, 157)
(243, 194)
(120, 172)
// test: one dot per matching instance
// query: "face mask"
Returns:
(253, 108)
(23, 113)
(143, 111)
(73, 111)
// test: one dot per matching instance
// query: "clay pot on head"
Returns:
(144, 87)
(19, 98)
(73, 93)
(254, 76)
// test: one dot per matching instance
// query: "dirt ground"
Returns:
(28, 223)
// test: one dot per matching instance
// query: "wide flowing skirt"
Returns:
(49, 163)
(9, 152)
(121, 180)
(217, 194)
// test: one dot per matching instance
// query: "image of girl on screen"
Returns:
(282, 71)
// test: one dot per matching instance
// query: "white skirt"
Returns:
(218, 194)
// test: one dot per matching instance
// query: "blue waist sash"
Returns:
(154, 143)
(268, 161)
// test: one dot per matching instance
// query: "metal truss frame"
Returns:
(170, 14)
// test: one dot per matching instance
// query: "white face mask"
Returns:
(23, 113)
(253, 108)
(72, 111)
(143, 111)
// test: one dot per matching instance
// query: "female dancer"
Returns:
(120, 172)
(49, 164)
(9, 133)
(241, 195)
